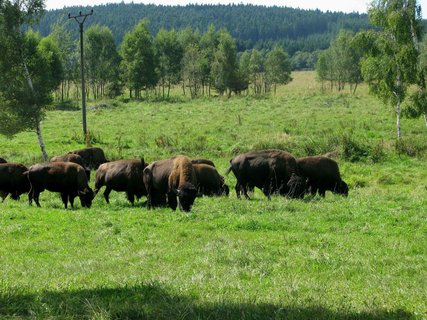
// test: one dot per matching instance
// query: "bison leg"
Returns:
(322, 192)
(237, 188)
(130, 196)
(36, 195)
(107, 194)
(3, 195)
(64, 197)
(173, 203)
(71, 198)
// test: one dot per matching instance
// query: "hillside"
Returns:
(253, 26)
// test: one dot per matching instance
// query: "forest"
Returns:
(252, 26)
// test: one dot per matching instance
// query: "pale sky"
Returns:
(324, 5)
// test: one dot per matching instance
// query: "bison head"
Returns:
(342, 188)
(86, 196)
(225, 190)
(296, 186)
(186, 195)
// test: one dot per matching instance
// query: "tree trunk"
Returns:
(41, 141)
(38, 130)
(398, 113)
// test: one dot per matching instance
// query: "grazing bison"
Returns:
(209, 181)
(67, 178)
(2, 160)
(322, 174)
(172, 177)
(92, 157)
(13, 180)
(121, 176)
(268, 170)
(182, 184)
(72, 157)
(203, 161)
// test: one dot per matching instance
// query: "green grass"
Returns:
(361, 257)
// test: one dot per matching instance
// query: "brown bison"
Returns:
(203, 161)
(72, 157)
(67, 178)
(92, 157)
(13, 180)
(269, 170)
(2, 160)
(172, 178)
(209, 181)
(121, 176)
(322, 174)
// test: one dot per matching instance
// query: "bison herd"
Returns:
(172, 182)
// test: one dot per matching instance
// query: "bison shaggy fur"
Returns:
(122, 176)
(322, 174)
(67, 178)
(13, 180)
(209, 181)
(92, 157)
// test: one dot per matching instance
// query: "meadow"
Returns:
(360, 257)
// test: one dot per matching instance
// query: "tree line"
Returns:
(197, 62)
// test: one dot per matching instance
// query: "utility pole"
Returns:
(80, 19)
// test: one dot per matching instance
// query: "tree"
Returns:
(27, 66)
(256, 71)
(340, 63)
(391, 63)
(138, 60)
(224, 66)
(102, 59)
(69, 56)
(277, 67)
(169, 53)
(208, 44)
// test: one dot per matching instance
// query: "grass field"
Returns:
(361, 257)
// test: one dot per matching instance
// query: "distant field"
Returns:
(361, 257)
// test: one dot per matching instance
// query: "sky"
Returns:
(324, 5)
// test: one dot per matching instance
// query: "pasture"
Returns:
(361, 257)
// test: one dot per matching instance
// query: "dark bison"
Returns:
(72, 157)
(322, 174)
(172, 178)
(203, 161)
(121, 176)
(67, 178)
(92, 157)
(269, 170)
(2, 160)
(209, 181)
(13, 180)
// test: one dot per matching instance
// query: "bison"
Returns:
(72, 157)
(209, 181)
(172, 178)
(268, 170)
(13, 180)
(67, 178)
(322, 174)
(92, 157)
(121, 176)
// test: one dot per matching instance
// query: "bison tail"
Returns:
(227, 172)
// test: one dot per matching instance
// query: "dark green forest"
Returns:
(252, 26)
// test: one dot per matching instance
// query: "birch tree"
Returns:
(391, 63)
(27, 68)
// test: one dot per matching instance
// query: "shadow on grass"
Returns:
(155, 302)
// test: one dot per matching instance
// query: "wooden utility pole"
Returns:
(80, 19)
